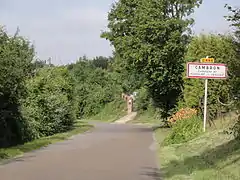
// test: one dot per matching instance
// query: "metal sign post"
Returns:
(205, 105)
(206, 71)
(205, 96)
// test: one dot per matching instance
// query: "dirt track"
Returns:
(109, 152)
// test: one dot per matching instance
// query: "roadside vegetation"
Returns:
(42, 103)
(111, 111)
(210, 155)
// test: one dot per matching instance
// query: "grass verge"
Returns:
(111, 112)
(8, 153)
(146, 118)
(213, 155)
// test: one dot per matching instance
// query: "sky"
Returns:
(65, 30)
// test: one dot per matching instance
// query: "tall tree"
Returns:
(151, 37)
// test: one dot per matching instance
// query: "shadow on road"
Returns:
(156, 127)
(17, 159)
(153, 173)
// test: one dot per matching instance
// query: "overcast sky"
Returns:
(65, 30)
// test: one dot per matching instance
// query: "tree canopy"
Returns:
(151, 37)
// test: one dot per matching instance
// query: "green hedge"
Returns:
(36, 99)
(50, 106)
(16, 55)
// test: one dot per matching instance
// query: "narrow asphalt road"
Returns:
(109, 152)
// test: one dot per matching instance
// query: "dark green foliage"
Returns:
(127, 77)
(16, 55)
(101, 62)
(184, 130)
(50, 106)
(150, 37)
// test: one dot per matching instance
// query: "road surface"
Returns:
(109, 152)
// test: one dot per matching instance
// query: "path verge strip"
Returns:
(17, 151)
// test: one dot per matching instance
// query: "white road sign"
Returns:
(206, 70)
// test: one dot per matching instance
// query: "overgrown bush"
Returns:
(184, 130)
(50, 106)
(16, 55)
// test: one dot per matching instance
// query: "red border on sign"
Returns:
(206, 77)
